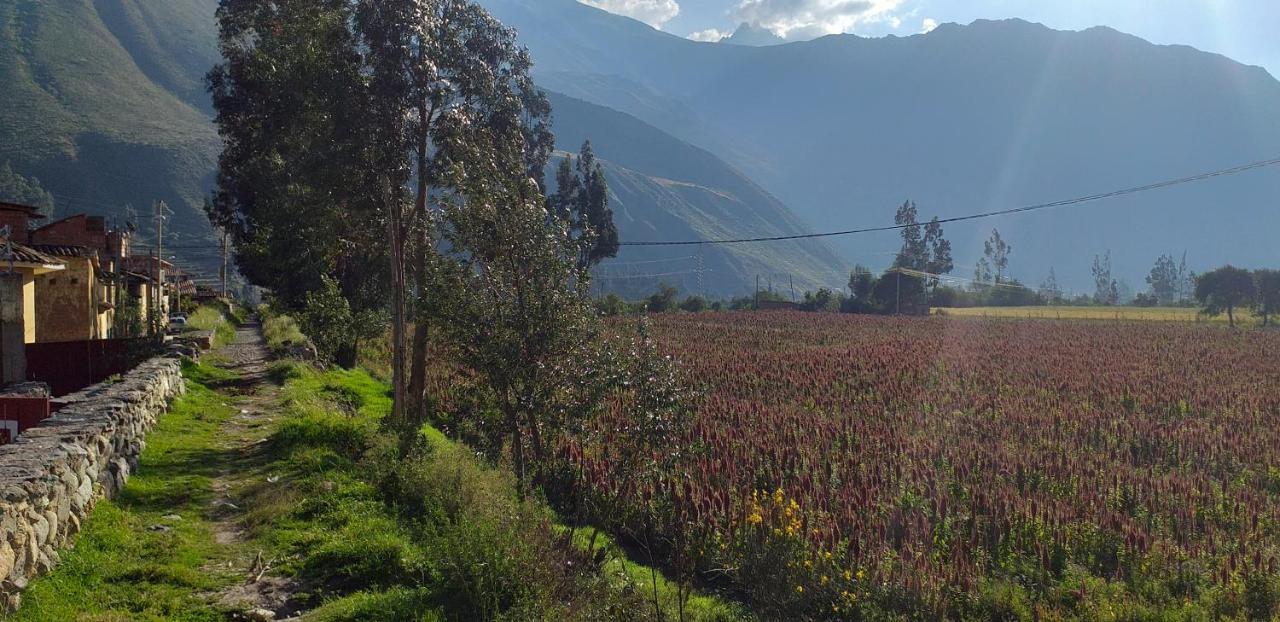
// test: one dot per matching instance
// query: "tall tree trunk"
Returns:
(517, 450)
(395, 232)
(417, 387)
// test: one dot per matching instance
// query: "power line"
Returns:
(1017, 210)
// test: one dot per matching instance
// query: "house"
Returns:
(20, 266)
(75, 304)
(79, 303)
(27, 262)
(150, 268)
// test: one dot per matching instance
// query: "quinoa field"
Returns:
(852, 467)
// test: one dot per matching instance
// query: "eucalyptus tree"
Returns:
(520, 317)
(582, 198)
(340, 120)
(297, 181)
(439, 69)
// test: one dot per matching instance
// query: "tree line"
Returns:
(383, 172)
(917, 282)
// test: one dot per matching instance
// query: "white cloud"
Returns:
(710, 35)
(797, 19)
(928, 25)
(652, 12)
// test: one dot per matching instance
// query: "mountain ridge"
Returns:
(963, 119)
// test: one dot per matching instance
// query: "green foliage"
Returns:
(1268, 286)
(436, 534)
(1106, 289)
(994, 264)
(14, 188)
(1225, 290)
(824, 300)
(128, 320)
(694, 304)
(663, 299)
(280, 332)
(582, 200)
(299, 195)
(335, 330)
(613, 305)
(212, 318)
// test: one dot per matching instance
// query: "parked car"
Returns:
(176, 324)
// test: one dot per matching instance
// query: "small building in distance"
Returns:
(77, 303)
(80, 303)
(26, 261)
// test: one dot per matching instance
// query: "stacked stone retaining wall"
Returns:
(52, 475)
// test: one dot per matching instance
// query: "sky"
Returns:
(1244, 30)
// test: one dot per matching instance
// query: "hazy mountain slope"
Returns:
(665, 189)
(963, 119)
(101, 101)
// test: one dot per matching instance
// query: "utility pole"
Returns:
(757, 292)
(161, 208)
(793, 287)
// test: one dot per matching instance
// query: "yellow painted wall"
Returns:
(29, 306)
(64, 305)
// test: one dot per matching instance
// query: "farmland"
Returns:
(942, 467)
(1128, 314)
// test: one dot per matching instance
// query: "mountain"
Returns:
(103, 102)
(662, 188)
(964, 119)
(753, 35)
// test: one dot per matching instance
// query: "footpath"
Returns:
(173, 545)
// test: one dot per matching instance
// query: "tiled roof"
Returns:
(26, 254)
(31, 211)
(60, 250)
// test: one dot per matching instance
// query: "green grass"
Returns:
(366, 535)
(437, 534)
(280, 332)
(212, 318)
(1132, 314)
(121, 570)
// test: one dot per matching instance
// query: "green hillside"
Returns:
(663, 188)
(102, 101)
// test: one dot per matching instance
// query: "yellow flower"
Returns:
(777, 496)
(799, 589)
(755, 518)
(861, 575)
(825, 579)
(848, 576)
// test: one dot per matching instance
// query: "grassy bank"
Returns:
(451, 536)
(218, 317)
(312, 492)
(150, 553)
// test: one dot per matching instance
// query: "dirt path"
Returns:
(254, 396)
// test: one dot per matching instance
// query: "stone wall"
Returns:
(52, 475)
